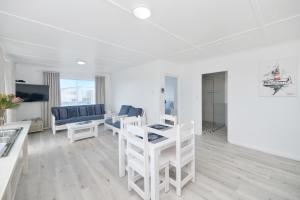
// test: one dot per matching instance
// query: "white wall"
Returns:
(268, 124)
(33, 74)
(139, 87)
(7, 81)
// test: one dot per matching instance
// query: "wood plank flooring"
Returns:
(88, 170)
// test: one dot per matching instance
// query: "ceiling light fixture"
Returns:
(81, 62)
(142, 12)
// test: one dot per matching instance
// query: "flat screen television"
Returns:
(32, 93)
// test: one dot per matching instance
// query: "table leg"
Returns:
(72, 135)
(154, 169)
(25, 156)
(122, 161)
(96, 130)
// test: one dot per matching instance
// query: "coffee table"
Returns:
(82, 130)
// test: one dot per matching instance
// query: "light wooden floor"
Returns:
(88, 170)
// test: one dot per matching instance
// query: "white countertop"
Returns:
(7, 164)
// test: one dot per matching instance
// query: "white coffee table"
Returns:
(82, 130)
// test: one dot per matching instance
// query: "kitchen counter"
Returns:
(15, 162)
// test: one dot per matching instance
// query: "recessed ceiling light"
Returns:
(142, 12)
(81, 62)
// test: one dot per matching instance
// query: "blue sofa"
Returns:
(71, 114)
(113, 122)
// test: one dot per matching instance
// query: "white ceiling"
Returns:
(57, 33)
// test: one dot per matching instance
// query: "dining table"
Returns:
(161, 137)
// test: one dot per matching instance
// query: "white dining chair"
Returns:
(168, 119)
(182, 157)
(138, 162)
(124, 122)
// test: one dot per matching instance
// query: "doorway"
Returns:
(170, 95)
(214, 104)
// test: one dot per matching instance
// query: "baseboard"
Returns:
(266, 150)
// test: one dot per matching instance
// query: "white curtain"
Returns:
(100, 89)
(52, 79)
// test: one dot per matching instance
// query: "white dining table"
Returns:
(155, 149)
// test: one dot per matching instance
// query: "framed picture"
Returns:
(278, 78)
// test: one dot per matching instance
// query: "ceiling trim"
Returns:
(27, 43)
(75, 33)
(234, 36)
(32, 56)
(57, 60)
(56, 49)
(4, 53)
(157, 26)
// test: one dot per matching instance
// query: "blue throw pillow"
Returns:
(135, 112)
(139, 112)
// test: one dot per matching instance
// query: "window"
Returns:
(77, 92)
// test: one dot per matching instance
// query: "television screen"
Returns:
(32, 93)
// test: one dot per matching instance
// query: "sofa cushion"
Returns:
(55, 112)
(82, 111)
(109, 121)
(63, 113)
(102, 109)
(135, 112)
(124, 110)
(72, 111)
(117, 124)
(90, 110)
(98, 109)
(78, 119)
(94, 117)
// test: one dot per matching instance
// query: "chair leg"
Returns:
(130, 177)
(167, 179)
(147, 188)
(178, 181)
(193, 163)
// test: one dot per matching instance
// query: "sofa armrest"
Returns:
(144, 118)
(109, 115)
(52, 121)
(118, 117)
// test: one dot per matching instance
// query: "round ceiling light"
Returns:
(142, 12)
(81, 62)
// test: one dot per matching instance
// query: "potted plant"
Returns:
(7, 101)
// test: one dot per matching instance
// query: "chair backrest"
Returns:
(185, 140)
(137, 146)
(168, 119)
(124, 122)
(124, 110)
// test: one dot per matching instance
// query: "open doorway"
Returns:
(214, 104)
(170, 95)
